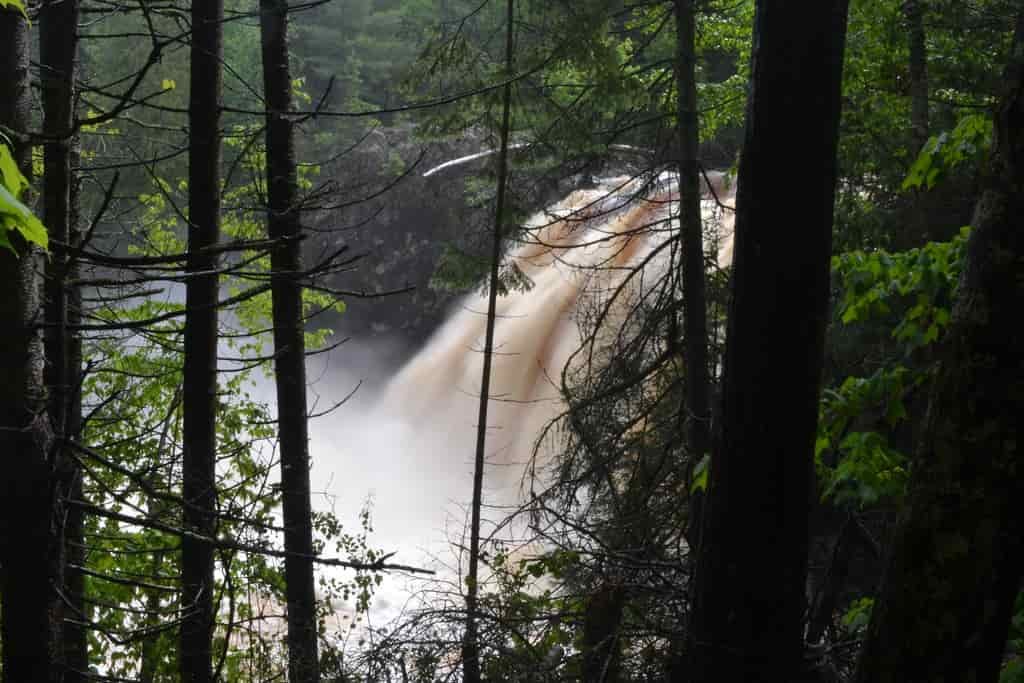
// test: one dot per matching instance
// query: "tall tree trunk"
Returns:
(149, 656)
(76, 648)
(289, 344)
(922, 206)
(749, 598)
(58, 42)
(913, 10)
(601, 652)
(470, 641)
(200, 374)
(698, 403)
(958, 557)
(58, 48)
(31, 553)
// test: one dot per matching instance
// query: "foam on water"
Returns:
(412, 447)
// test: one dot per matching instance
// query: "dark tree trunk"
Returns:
(149, 656)
(470, 640)
(923, 207)
(200, 376)
(289, 345)
(58, 48)
(31, 552)
(913, 10)
(749, 602)
(956, 563)
(601, 651)
(698, 404)
(76, 649)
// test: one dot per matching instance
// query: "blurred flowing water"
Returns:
(407, 441)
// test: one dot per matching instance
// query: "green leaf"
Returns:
(17, 5)
(920, 168)
(700, 475)
(18, 217)
(858, 615)
(10, 175)
(168, 84)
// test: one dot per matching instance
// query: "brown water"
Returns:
(412, 449)
(596, 245)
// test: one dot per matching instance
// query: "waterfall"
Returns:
(412, 448)
(605, 244)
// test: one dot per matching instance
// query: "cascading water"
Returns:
(597, 244)
(412, 449)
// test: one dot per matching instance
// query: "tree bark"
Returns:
(470, 640)
(149, 662)
(31, 552)
(601, 652)
(749, 601)
(57, 47)
(913, 10)
(920, 223)
(957, 560)
(289, 345)
(698, 403)
(200, 372)
(76, 648)
(58, 52)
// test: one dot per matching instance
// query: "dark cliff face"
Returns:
(406, 226)
(397, 223)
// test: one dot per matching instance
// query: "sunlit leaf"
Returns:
(20, 218)
(700, 475)
(10, 175)
(17, 5)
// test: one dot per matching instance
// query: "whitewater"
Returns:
(407, 443)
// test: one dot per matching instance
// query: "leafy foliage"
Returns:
(967, 143)
(15, 217)
(857, 615)
(913, 292)
(917, 285)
